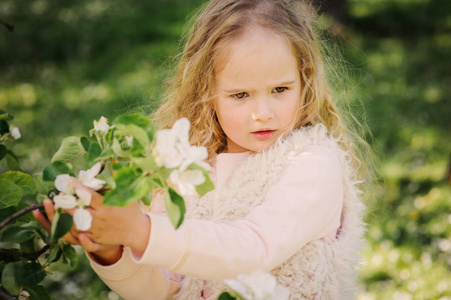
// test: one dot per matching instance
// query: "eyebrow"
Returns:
(238, 90)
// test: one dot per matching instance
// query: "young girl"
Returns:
(252, 83)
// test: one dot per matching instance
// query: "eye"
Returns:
(240, 95)
(279, 89)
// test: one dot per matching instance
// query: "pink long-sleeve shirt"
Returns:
(304, 205)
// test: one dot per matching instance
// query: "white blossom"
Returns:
(195, 155)
(84, 197)
(24, 295)
(65, 201)
(79, 198)
(187, 180)
(14, 131)
(82, 219)
(88, 177)
(101, 125)
(258, 286)
(173, 150)
(62, 185)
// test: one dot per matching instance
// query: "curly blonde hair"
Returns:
(191, 91)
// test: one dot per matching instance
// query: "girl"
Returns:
(252, 83)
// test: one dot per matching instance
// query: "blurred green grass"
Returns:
(68, 63)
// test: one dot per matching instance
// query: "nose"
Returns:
(263, 110)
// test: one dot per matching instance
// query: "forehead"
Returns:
(256, 54)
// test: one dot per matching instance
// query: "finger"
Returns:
(49, 209)
(42, 220)
(69, 211)
(71, 239)
(96, 198)
(87, 243)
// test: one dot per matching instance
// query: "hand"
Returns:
(104, 254)
(71, 237)
(112, 225)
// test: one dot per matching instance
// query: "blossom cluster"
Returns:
(173, 162)
(78, 198)
(173, 151)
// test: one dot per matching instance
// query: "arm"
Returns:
(134, 281)
(305, 205)
(114, 265)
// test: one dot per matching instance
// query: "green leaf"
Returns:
(54, 253)
(6, 212)
(70, 255)
(29, 274)
(27, 246)
(138, 133)
(147, 199)
(54, 169)
(119, 151)
(12, 161)
(94, 151)
(71, 148)
(85, 142)
(145, 163)
(10, 194)
(130, 187)
(5, 116)
(226, 296)
(205, 187)
(175, 207)
(43, 187)
(18, 233)
(9, 282)
(116, 166)
(22, 180)
(3, 152)
(4, 127)
(38, 292)
(61, 225)
(139, 120)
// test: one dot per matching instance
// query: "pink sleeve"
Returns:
(303, 206)
(134, 281)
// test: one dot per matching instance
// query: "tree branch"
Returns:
(5, 295)
(20, 213)
(30, 256)
(7, 25)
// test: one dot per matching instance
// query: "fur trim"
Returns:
(321, 269)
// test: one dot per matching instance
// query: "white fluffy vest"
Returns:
(320, 269)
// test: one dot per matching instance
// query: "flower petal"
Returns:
(82, 219)
(181, 129)
(94, 183)
(62, 185)
(101, 125)
(65, 201)
(14, 131)
(186, 181)
(239, 287)
(84, 197)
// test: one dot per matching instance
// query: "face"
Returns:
(258, 91)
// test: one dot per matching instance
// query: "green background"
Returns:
(70, 62)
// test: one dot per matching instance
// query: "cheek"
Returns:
(229, 120)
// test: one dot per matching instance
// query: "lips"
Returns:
(264, 134)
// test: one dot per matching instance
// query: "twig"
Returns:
(7, 25)
(30, 256)
(4, 295)
(20, 213)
